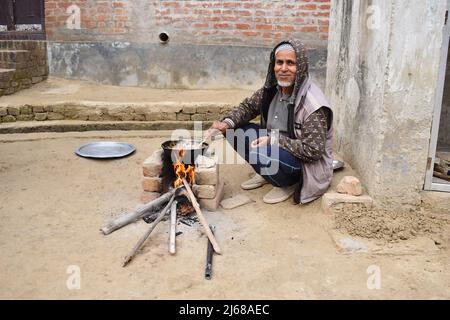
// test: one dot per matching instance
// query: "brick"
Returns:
(149, 196)
(349, 185)
(13, 111)
(151, 184)
(330, 199)
(152, 166)
(204, 191)
(41, 116)
(213, 204)
(207, 176)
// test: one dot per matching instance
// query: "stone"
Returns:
(235, 201)
(208, 109)
(152, 166)
(55, 116)
(38, 109)
(25, 117)
(3, 111)
(151, 184)
(183, 117)
(189, 109)
(26, 109)
(207, 176)
(149, 196)
(330, 198)
(349, 185)
(8, 118)
(41, 116)
(204, 191)
(213, 204)
(13, 111)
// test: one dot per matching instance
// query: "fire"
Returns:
(182, 172)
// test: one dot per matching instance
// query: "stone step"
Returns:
(79, 126)
(14, 59)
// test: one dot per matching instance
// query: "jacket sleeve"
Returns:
(247, 110)
(310, 146)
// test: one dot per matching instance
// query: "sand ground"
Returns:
(52, 204)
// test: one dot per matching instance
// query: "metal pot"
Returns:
(189, 154)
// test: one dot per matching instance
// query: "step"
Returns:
(13, 59)
(73, 126)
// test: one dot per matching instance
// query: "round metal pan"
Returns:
(189, 154)
(105, 150)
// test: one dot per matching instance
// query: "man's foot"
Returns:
(279, 194)
(253, 183)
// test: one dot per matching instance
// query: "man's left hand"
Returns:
(260, 142)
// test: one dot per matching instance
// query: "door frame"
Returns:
(26, 35)
(429, 184)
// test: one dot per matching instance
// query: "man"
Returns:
(297, 130)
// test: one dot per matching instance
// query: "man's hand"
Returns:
(260, 142)
(217, 126)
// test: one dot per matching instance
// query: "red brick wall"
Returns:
(248, 22)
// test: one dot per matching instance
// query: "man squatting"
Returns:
(295, 131)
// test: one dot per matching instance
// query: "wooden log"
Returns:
(201, 218)
(141, 241)
(136, 214)
(173, 227)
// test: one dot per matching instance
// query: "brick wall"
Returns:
(247, 22)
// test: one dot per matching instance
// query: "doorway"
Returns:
(438, 169)
(22, 20)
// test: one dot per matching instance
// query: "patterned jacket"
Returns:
(309, 124)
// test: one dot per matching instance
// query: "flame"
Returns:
(182, 172)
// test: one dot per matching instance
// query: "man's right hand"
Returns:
(217, 125)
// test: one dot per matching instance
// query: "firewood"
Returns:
(173, 227)
(137, 214)
(201, 218)
(141, 241)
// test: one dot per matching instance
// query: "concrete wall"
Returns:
(169, 66)
(444, 124)
(213, 44)
(383, 61)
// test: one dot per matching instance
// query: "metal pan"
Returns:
(105, 150)
(190, 154)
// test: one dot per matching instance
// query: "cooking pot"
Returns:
(171, 151)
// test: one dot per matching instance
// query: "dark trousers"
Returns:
(277, 165)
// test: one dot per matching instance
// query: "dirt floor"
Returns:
(52, 204)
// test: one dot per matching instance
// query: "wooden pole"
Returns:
(141, 241)
(136, 214)
(173, 227)
(201, 218)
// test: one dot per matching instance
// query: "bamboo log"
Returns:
(136, 214)
(141, 241)
(201, 218)
(173, 227)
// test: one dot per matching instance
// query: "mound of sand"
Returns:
(389, 225)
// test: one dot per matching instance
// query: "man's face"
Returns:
(285, 68)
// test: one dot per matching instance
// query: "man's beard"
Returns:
(285, 84)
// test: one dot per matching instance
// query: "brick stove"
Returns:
(208, 187)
